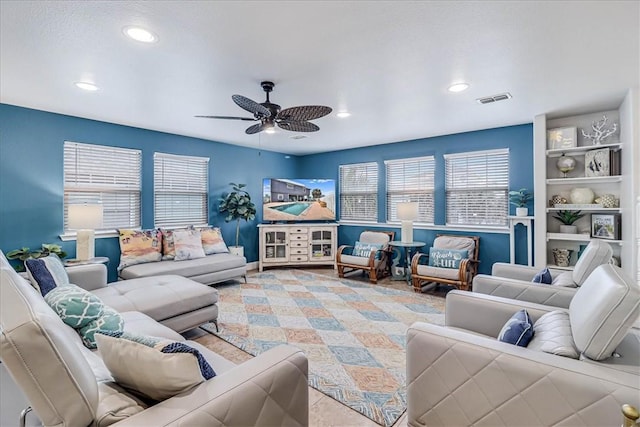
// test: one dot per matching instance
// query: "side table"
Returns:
(97, 260)
(408, 248)
(527, 221)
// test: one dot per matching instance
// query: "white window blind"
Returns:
(180, 188)
(111, 175)
(411, 180)
(477, 186)
(359, 192)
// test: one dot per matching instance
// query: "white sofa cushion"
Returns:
(596, 253)
(552, 334)
(603, 311)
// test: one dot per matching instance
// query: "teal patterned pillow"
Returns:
(446, 258)
(110, 321)
(74, 305)
(365, 249)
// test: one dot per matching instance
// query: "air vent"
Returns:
(298, 136)
(494, 98)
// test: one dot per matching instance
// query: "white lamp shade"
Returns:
(85, 216)
(407, 211)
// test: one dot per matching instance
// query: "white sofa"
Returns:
(460, 374)
(69, 385)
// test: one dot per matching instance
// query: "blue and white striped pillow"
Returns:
(46, 273)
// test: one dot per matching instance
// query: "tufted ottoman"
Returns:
(174, 301)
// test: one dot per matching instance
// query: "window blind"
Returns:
(111, 175)
(359, 192)
(180, 188)
(410, 180)
(477, 185)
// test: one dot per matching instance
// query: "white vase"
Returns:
(569, 229)
(236, 250)
(522, 211)
(581, 196)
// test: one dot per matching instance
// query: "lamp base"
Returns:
(407, 232)
(85, 245)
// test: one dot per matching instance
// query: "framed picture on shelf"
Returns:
(605, 226)
(596, 162)
(562, 138)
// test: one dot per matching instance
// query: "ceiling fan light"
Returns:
(343, 114)
(140, 34)
(270, 130)
(458, 87)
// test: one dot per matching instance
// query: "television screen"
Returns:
(298, 199)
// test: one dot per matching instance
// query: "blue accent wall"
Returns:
(494, 247)
(31, 176)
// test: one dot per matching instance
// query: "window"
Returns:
(180, 188)
(477, 185)
(359, 192)
(411, 180)
(108, 174)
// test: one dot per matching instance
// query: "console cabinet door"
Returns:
(276, 245)
(321, 243)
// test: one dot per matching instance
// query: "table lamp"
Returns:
(85, 217)
(407, 212)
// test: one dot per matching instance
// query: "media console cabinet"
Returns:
(298, 244)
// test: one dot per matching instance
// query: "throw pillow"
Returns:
(110, 321)
(139, 247)
(188, 245)
(518, 330)
(543, 276)
(74, 305)
(46, 273)
(552, 334)
(155, 367)
(446, 258)
(364, 249)
(212, 241)
(564, 279)
(168, 246)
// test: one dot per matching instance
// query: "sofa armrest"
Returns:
(557, 296)
(457, 378)
(486, 314)
(268, 390)
(88, 276)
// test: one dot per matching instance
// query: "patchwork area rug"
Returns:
(353, 333)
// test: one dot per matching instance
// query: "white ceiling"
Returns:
(387, 62)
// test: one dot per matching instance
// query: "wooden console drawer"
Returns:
(299, 244)
(299, 251)
(297, 236)
(298, 258)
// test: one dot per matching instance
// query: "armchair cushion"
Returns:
(544, 276)
(441, 272)
(155, 367)
(446, 258)
(46, 273)
(455, 242)
(518, 330)
(552, 334)
(603, 311)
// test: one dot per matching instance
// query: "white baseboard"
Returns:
(252, 265)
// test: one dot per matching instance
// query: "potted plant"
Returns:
(24, 254)
(567, 218)
(520, 199)
(237, 205)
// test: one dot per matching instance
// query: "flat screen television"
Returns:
(298, 200)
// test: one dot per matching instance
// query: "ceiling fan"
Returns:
(294, 119)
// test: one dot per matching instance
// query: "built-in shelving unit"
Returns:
(549, 181)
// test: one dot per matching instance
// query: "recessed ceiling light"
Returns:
(458, 87)
(343, 114)
(140, 34)
(86, 86)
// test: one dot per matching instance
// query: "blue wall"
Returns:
(31, 176)
(494, 247)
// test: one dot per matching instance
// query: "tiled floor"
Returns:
(323, 410)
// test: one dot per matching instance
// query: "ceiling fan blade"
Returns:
(298, 126)
(251, 106)
(304, 112)
(259, 127)
(227, 117)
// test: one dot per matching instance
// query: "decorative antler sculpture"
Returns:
(600, 133)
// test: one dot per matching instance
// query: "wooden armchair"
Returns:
(460, 277)
(376, 262)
